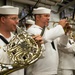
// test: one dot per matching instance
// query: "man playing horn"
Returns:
(8, 23)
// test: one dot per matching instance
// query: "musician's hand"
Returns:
(64, 23)
(67, 29)
(38, 39)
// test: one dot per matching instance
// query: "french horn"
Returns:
(22, 51)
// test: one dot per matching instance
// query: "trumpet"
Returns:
(70, 22)
(53, 21)
(71, 27)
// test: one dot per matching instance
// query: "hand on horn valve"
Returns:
(38, 39)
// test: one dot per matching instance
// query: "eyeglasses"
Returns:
(14, 18)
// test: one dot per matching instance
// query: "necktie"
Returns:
(52, 43)
(43, 30)
(70, 42)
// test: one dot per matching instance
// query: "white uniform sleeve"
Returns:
(53, 33)
(65, 46)
(67, 49)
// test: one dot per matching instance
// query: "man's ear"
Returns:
(37, 16)
(2, 19)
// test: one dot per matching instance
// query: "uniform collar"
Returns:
(36, 26)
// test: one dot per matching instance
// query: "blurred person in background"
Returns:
(29, 23)
(67, 54)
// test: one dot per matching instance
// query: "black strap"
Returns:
(52, 43)
(70, 42)
(42, 31)
(3, 39)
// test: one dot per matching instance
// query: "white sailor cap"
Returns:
(9, 10)
(29, 21)
(41, 10)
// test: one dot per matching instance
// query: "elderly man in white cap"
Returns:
(8, 21)
(48, 62)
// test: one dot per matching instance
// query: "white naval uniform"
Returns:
(67, 58)
(49, 63)
(4, 56)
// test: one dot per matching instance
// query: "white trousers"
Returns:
(65, 72)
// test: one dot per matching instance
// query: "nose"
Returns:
(48, 18)
(17, 21)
